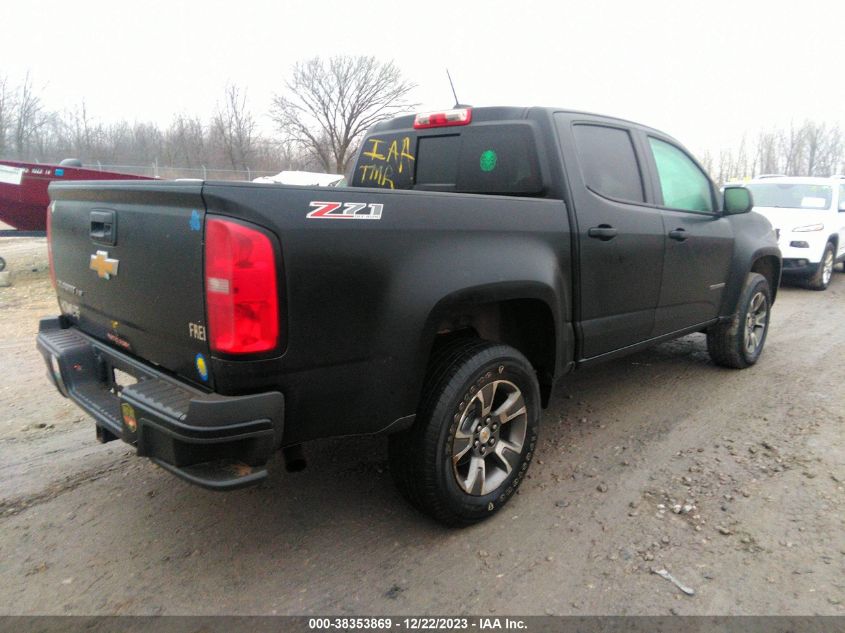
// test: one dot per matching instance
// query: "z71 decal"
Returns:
(346, 211)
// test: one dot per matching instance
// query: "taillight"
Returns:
(50, 209)
(448, 118)
(240, 285)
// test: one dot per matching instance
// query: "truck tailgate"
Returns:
(128, 264)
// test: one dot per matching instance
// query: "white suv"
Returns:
(809, 216)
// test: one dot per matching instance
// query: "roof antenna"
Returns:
(458, 104)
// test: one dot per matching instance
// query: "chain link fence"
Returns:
(155, 170)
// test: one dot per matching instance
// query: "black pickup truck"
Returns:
(477, 256)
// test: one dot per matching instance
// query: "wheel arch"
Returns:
(522, 315)
(770, 267)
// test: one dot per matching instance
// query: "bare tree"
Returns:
(186, 142)
(289, 155)
(44, 143)
(708, 163)
(767, 152)
(86, 137)
(745, 164)
(28, 117)
(831, 152)
(835, 155)
(118, 144)
(329, 105)
(733, 164)
(235, 128)
(814, 138)
(148, 141)
(792, 146)
(7, 106)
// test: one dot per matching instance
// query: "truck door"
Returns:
(699, 242)
(620, 237)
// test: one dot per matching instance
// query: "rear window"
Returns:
(493, 159)
(791, 195)
(438, 164)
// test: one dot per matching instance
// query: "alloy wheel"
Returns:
(827, 270)
(489, 437)
(756, 320)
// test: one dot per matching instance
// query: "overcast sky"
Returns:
(703, 71)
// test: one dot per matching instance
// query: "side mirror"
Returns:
(737, 200)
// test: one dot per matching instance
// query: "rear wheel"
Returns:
(739, 342)
(821, 278)
(474, 435)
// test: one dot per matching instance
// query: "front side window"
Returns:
(683, 184)
(608, 162)
(842, 198)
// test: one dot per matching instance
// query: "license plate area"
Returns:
(122, 379)
(118, 380)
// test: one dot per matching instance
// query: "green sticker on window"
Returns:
(488, 160)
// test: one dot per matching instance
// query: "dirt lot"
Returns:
(733, 481)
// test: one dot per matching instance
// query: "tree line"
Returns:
(807, 149)
(319, 119)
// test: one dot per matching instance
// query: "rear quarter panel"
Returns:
(364, 296)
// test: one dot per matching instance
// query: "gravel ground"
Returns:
(733, 481)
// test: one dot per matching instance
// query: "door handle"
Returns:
(103, 227)
(679, 235)
(603, 232)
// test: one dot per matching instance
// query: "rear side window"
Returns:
(386, 161)
(842, 198)
(608, 162)
(497, 159)
(492, 159)
(683, 184)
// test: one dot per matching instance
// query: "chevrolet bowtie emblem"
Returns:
(106, 268)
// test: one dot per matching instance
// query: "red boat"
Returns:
(23, 189)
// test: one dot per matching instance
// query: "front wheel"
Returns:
(821, 278)
(739, 342)
(474, 436)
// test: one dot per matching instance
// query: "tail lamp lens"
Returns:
(241, 292)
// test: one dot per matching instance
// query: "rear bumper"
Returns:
(218, 442)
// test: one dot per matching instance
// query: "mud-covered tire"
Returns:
(739, 342)
(432, 462)
(2, 264)
(820, 279)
